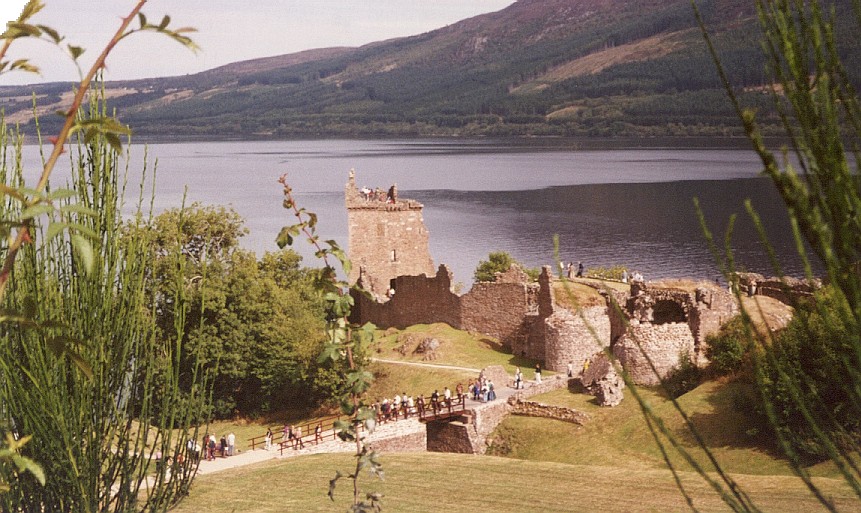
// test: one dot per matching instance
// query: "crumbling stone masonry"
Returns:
(667, 324)
(787, 290)
(505, 309)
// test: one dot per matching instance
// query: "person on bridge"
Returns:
(447, 395)
(420, 404)
(435, 401)
(297, 438)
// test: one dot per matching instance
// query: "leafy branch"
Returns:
(36, 202)
(344, 341)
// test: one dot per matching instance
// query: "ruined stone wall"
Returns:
(787, 290)
(618, 318)
(714, 308)
(504, 310)
(548, 411)
(412, 442)
(568, 338)
(532, 344)
(417, 300)
(484, 422)
(385, 239)
(498, 310)
(664, 343)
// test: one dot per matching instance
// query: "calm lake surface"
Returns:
(613, 206)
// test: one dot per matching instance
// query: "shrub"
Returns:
(606, 273)
(497, 262)
(729, 348)
(500, 262)
(684, 378)
(805, 369)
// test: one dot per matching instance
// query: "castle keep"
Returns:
(386, 236)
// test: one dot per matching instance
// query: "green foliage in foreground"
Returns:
(97, 423)
(816, 100)
(801, 377)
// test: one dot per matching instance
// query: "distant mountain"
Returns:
(538, 67)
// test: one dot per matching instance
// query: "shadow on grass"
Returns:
(730, 421)
(515, 360)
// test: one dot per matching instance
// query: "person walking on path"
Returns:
(268, 439)
(537, 373)
(231, 444)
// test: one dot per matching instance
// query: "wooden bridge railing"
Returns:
(442, 409)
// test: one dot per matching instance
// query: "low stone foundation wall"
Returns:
(547, 411)
(787, 290)
(413, 442)
(548, 384)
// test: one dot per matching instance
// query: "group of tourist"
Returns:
(379, 195)
(404, 405)
(570, 269)
(212, 447)
(482, 389)
(291, 435)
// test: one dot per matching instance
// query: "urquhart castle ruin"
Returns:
(388, 244)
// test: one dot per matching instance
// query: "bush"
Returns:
(497, 262)
(500, 262)
(606, 273)
(729, 349)
(807, 364)
(684, 378)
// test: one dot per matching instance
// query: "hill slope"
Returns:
(554, 67)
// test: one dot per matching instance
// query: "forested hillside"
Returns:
(538, 67)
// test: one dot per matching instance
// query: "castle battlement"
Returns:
(387, 237)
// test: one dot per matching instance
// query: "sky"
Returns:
(227, 31)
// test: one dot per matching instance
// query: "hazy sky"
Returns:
(228, 31)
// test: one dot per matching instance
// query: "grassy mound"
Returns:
(619, 436)
(456, 348)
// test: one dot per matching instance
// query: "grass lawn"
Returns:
(456, 347)
(434, 482)
(619, 436)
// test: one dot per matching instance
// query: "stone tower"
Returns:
(386, 236)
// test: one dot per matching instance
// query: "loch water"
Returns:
(609, 204)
